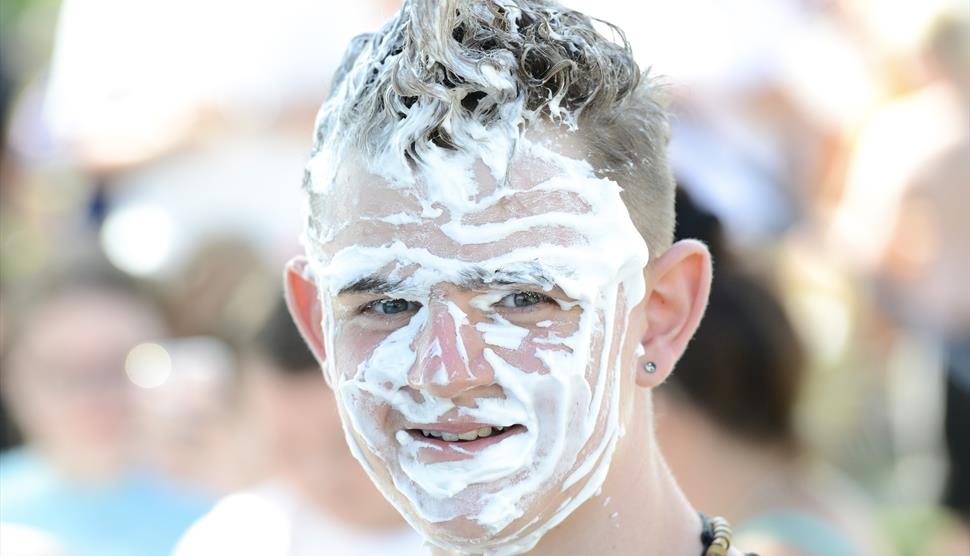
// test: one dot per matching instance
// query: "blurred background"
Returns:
(152, 154)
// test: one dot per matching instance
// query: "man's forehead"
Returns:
(362, 187)
(359, 191)
(533, 206)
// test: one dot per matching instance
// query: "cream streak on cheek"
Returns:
(561, 454)
(502, 333)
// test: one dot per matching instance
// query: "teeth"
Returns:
(470, 435)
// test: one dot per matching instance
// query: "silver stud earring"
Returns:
(650, 367)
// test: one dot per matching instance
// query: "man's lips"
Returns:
(463, 436)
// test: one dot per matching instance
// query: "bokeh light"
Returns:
(138, 239)
(148, 365)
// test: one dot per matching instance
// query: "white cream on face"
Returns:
(564, 389)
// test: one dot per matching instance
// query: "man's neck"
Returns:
(639, 511)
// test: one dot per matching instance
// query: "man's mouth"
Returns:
(469, 435)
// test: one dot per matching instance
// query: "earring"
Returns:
(650, 367)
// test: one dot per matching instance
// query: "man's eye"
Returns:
(519, 300)
(392, 306)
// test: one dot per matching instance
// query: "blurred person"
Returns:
(316, 495)
(197, 428)
(194, 427)
(64, 379)
(730, 409)
(902, 218)
(904, 223)
(926, 264)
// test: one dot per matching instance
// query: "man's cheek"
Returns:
(529, 358)
(365, 415)
(356, 347)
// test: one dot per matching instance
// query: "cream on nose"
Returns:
(443, 366)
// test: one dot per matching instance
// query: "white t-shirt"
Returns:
(273, 520)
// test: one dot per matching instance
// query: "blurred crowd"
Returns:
(152, 154)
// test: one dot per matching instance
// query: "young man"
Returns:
(478, 288)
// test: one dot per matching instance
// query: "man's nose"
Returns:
(447, 363)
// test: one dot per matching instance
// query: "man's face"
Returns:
(475, 334)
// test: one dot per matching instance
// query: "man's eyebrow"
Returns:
(473, 278)
(370, 284)
(480, 278)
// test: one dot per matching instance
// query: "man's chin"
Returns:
(465, 534)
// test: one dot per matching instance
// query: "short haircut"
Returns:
(440, 64)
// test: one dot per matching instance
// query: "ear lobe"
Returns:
(679, 285)
(303, 302)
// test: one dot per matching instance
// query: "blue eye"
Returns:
(520, 300)
(392, 306)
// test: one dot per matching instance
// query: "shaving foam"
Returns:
(559, 379)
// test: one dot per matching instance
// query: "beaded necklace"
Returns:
(716, 536)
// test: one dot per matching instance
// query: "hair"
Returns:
(280, 343)
(86, 273)
(441, 66)
(745, 364)
(956, 493)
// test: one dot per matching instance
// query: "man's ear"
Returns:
(679, 282)
(304, 304)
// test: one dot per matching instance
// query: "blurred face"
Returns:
(308, 446)
(303, 425)
(67, 382)
(475, 334)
